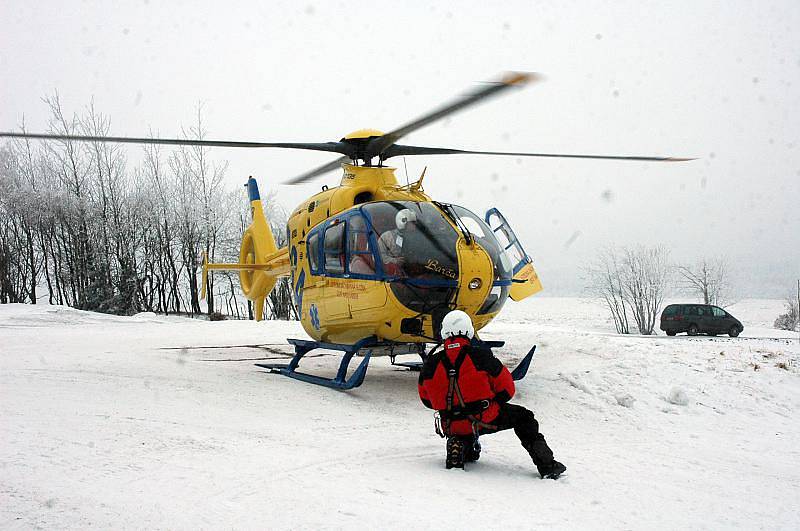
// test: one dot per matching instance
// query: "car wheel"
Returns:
(670, 332)
(693, 330)
(734, 331)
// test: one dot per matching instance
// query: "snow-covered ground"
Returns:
(139, 422)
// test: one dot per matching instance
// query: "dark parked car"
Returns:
(699, 319)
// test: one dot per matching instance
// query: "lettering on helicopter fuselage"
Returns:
(346, 289)
(348, 175)
(347, 295)
(434, 265)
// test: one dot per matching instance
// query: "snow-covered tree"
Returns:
(632, 283)
(80, 226)
(606, 282)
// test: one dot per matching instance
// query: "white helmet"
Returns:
(457, 323)
(403, 217)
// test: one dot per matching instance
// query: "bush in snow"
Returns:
(791, 319)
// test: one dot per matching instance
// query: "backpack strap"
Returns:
(454, 391)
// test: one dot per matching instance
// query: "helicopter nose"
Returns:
(476, 270)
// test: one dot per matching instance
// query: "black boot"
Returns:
(455, 453)
(551, 470)
(472, 450)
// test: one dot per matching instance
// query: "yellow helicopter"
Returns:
(375, 264)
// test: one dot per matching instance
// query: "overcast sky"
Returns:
(714, 80)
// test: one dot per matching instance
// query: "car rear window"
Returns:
(671, 310)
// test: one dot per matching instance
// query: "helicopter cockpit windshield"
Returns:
(418, 254)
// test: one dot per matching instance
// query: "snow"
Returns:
(140, 422)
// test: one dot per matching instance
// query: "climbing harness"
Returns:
(471, 411)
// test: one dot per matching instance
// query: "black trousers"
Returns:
(526, 427)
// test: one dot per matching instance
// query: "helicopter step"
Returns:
(340, 381)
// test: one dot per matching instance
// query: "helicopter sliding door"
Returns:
(346, 287)
(365, 293)
(525, 280)
(334, 263)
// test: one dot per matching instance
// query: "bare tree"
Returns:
(161, 256)
(707, 279)
(18, 264)
(631, 282)
(645, 277)
(605, 278)
(202, 215)
(77, 223)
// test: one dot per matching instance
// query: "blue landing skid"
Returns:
(341, 382)
(522, 369)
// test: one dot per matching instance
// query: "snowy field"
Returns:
(140, 422)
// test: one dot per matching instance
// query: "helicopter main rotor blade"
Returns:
(399, 150)
(335, 147)
(379, 145)
(319, 171)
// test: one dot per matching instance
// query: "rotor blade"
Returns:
(319, 171)
(398, 150)
(511, 79)
(335, 147)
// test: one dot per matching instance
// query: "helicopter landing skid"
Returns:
(522, 369)
(341, 382)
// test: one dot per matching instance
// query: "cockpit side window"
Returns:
(313, 253)
(334, 249)
(361, 261)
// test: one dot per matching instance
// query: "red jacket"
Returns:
(482, 380)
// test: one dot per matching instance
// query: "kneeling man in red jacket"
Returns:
(470, 390)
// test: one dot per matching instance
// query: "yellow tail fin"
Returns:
(260, 260)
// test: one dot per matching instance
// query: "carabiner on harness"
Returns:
(437, 423)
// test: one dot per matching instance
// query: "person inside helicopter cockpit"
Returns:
(390, 243)
(416, 247)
